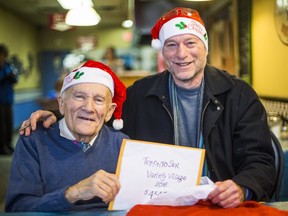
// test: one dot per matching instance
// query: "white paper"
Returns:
(149, 171)
(186, 196)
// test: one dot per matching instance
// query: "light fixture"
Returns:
(82, 16)
(127, 23)
(198, 0)
(81, 12)
(69, 4)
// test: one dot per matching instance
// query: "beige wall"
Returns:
(269, 54)
(21, 39)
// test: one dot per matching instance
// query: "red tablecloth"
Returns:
(249, 208)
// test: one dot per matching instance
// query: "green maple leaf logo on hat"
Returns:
(78, 75)
(181, 25)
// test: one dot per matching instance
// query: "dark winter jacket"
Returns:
(233, 122)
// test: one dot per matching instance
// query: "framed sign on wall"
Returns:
(281, 20)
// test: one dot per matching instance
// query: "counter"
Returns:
(129, 77)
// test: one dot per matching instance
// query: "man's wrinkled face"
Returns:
(185, 57)
(86, 107)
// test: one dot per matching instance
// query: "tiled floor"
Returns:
(5, 162)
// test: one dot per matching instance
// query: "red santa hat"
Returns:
(96, 72)
(176, 22)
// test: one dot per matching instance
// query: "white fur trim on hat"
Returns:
(117, 124)
(183, 25)
(156, 44)
(88, 75)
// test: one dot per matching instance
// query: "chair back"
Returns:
(279, 165)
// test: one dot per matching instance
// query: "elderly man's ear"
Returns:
(61, 104)
(110, 112)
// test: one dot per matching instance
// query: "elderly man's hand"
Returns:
(101, 184)
(32, 121)
(227, 194)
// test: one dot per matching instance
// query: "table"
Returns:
(278, 205)
(78, 213)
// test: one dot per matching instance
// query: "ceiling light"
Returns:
(82, 16)
(198, 0)
(127, 23)
(69, 4)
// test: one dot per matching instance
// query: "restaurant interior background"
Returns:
(243, 39)
(246, 37)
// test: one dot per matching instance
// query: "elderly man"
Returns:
(71, 165)
(195, 104)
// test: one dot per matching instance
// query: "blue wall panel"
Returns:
(22, 111)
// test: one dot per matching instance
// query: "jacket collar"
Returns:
(160, 87)
(217, 81)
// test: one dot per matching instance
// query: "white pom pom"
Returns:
(156, 44)
(118, 124)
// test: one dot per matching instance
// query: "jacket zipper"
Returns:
(170, 115)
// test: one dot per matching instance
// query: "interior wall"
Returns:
(22, 41)
(55, 40)
(269, 54)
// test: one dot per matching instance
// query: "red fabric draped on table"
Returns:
(249, 208)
